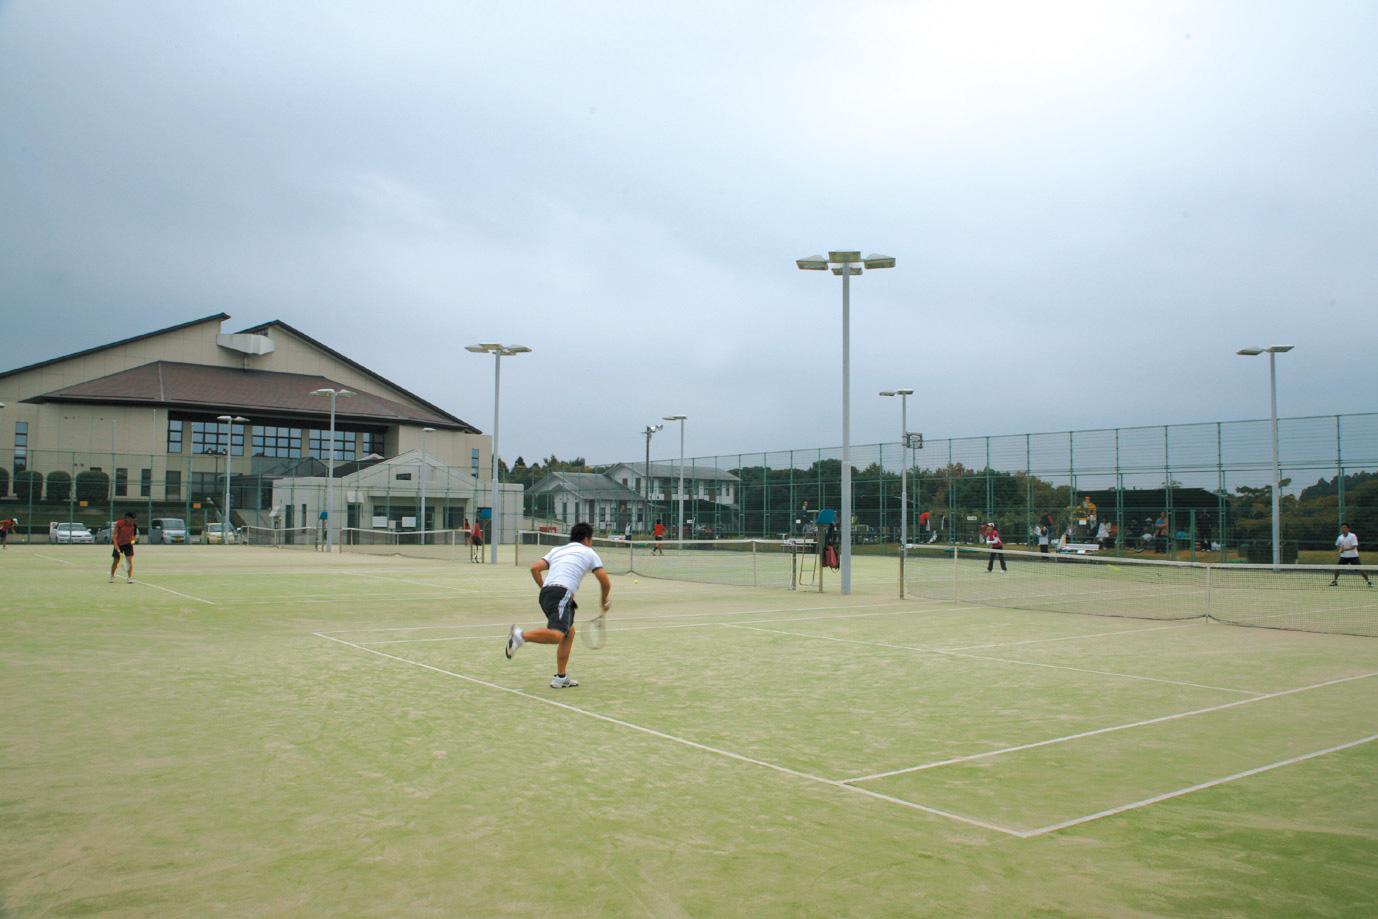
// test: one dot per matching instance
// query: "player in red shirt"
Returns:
(659, 533)
(126, 533)
(996, 545)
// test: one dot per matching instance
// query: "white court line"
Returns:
(171, 591)
(684, 741)
(1133, 805)
(739, 612)
(1111, 729)
(998, 660)
(1035, 641)
(709, 624)
(380, 577)
(54, 558)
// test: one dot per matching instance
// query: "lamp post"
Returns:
(229, 421)
(1273, 351)
(904, 395)
(498, 352)
(421, 472)
(330, 463)
(846, 263)
(680, 513)
(650, 431)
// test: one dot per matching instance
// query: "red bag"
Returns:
(830, 557)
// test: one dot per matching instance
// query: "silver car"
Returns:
(72, 533)
(167, 530)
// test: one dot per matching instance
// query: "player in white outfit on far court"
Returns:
(1348, 544)
(567, 566)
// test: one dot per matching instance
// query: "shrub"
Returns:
(59, 487)
(28, 485)
(92, 485)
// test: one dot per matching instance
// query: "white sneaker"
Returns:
(562, 682)
(130, 580)
(514, 641)
(112, 579)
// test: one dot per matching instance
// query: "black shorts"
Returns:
(127, 549)
(1349, 561)
(558, 605)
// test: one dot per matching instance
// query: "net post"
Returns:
(955, 551)
(1209, 615)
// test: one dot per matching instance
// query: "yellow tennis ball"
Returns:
(635, 581)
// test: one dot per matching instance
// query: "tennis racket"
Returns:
(596, 630)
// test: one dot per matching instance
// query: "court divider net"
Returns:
(280, 537)
(734, 562)
(1290, 597)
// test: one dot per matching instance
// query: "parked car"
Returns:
(105, 533)
(167, 530)
(71, 533)
(214, 534)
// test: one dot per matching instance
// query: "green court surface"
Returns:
(269, 732)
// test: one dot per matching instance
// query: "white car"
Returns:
(72, 533)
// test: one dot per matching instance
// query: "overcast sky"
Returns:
(1093, 205)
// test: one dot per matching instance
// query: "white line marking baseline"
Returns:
(998, 660)
(1111, 729)
(685, 741)
(1134, 805)
(739, 612)
(171, 591)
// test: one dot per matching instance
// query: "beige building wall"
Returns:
(101, 430)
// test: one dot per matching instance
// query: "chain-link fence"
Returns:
(1179, 491)
(183, 497)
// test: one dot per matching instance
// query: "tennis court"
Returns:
(258, 731)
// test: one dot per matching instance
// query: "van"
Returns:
(167, 530)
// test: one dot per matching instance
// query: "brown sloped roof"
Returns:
(228, 389)
(217, 318)
(279, 324)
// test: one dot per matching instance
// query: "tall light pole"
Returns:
(421, 471)
(904, 395)
(229, 421)
(1273, 351)
(846, 263)
(680, 513)
(650, 431)
(330, 463)
(498, 352)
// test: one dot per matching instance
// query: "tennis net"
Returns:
(1291, 597)
(447, 545)
(733, 562)
(280, 537)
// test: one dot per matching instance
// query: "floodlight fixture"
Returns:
(846, 263)
(229, 421)
(679, 501)
(330, 462)
(1273, 351)
(499, 352)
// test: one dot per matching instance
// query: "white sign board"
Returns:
(380, 523)
(409, 523)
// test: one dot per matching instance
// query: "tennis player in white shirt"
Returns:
(567, 566)
(1348, 544)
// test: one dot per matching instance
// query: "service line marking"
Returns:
(971, 821)
(1145, 802)
(177, 592)
(998, 660)
(1035, 641)
(1111, 729)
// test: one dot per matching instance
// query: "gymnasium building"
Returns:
(160, 423)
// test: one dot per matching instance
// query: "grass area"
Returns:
(258, 732)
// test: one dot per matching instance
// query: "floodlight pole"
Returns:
(1273, 351)
(680, 521)
(330, 464)
(651, 429)
(421, 472)
(230, 421)
(846, 263)
(904, 395)
(498, 352)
